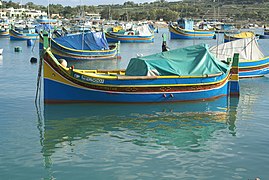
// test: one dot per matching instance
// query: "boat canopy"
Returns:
(84, 41)
(247, 48)
(190, 61)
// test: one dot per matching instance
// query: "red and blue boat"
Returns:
(176, 75)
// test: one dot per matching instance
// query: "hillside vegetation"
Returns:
(225, 10)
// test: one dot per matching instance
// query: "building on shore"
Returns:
(21, 13)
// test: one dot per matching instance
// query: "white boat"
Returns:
(1, 51)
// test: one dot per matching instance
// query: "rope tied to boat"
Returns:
(39, 82)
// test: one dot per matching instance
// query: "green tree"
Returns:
(12, 4)
(90, 9)
(105, 13)
(152, 14)
(167, 14)
(56, 9)
(129, 3)
(69, 12)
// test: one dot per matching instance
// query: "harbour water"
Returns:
(219, 139)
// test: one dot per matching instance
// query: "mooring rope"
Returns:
(39, 76)
(34, 44)
(38, 85)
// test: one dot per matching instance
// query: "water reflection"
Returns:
(176, 125)
(1, 60)
(254, 92)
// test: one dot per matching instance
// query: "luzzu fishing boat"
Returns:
(4, 27)
(84, 46)
(179, 33)
(235, 36)
(184, 30)
(142, 34)
(26, 34)
(4, 32)
(252, 62)
(186, 74)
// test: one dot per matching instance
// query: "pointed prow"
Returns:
(234, 77)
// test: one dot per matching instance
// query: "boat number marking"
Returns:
(89, 79)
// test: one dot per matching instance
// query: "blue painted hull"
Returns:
(114, 38)
(177, 36)
(4, 33)
(58, 88)
(177, 33)
(94, 55)
(14, 35)
(256, 68)
(73, 94)
(257, 73)
(66, 85)
(62, 52)
(264, 36)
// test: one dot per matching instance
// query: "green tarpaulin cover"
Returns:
(190, 61)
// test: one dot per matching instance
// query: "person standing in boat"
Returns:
(164, 45)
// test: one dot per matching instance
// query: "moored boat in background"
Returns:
(238, 35)
(141, 34)
(26, 34)
(252, 62)
(4, 32)
(4, 27)
(83, 46)
(184, 30)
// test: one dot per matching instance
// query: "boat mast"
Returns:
(126, 12)
(218, 11)
(83, 21)
(217, 52)
(49, 22)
